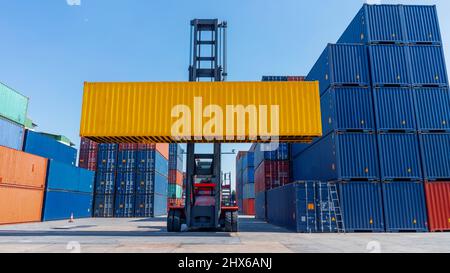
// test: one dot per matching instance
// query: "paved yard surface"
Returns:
(149, 235)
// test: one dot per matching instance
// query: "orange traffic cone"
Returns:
(71, 220)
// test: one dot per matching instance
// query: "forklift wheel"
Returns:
(231, 221)
(174, 221)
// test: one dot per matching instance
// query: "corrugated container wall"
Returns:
(20, 205)
(141, 104)
(260, 205)
(428, 66)
(339, 65)
(297, 211)
(13, 105)
(60, 205)
(375, 24)
(11, 135)
(438, 205)
(66, 177)
(437, 117)
(404, 206)
(348, 108)
(21, 169)
(38, 144)
(339, 156)
(422, 24)
(394, 109)
(389, 65)
(399, 156)
(435, 149)
(362, 207)
(104, 205)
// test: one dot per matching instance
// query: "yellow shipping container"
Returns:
(201, 112)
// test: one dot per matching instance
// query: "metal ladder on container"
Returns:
(335, 207)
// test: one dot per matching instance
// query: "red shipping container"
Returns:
(271, 174)
(88, 159)
(146, 146)
(438, 205)
(175, 177)
(87, 144)
(248, 207)
(296, 78)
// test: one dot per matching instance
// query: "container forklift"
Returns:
(203, 207)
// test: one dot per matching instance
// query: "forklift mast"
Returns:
(207, 63)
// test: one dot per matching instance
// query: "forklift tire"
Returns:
(231, 221)
(176, 221)
(170, 221)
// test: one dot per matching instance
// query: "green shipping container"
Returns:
(13, 105)
(175, 191)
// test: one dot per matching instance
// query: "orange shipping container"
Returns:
(248, 206)
(21, 169)
(20, 205)
(163, 149)
(175, 177)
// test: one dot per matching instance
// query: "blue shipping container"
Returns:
(404, 206)
(159, 205)
(293, 206)
(399, 156)
(151, 160)
(249, 191)
(347, 109)
(41, 145)
(339, 156)
(104, 205)
(105, 182)
(433, 111)
(124, 205)
(248, 160)
(376, 24)
(61, 176)
(248, 176)
(175, 157)
(144, 205)
(389, 65)
(341, 64)
(394, 109)
(270, 151)
(435, 150)
(107, 160)
(125, 183)
(362, 206)
(422, 24)
(151, 182)
(260, 205)
(298, 148)
(126, 160)
(428, 66)
(60, 205)
(11, 134)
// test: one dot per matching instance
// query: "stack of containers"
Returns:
(126, 180)
(131, 179)
(272, 170)
(410, 84)
(22, 186)
(347, 153)
(239, 181)
(175, 187)
(248, 184)
(69, 192)
(13, 117)
(105, 179)
(152, 173)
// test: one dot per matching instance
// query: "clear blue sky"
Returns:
(48, 48)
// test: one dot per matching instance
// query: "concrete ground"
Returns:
(149, 235)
